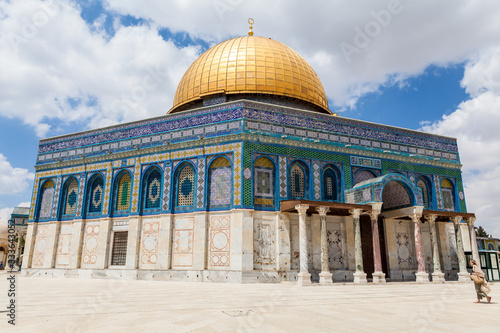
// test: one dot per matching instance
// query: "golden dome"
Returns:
(250, 65)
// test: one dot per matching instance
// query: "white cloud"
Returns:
(73, 72)
(411, 35)
(13, 180)
(475, 125)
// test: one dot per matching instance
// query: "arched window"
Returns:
(152, 190)
(123, 192)
(298, 181)
(330, 184)
(363, 175)
(220, 183)
(70, 197)
(46, 196)
(95, 195)
(263, 193)
(447, 194)
(185, 186)
(426, 192)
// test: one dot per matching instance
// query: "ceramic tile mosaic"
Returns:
(136, 182)
(283, 176)
(200, 188)
(220, 183)
(55, 202)
(166, 187)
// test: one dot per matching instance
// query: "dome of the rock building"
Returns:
(250, 65)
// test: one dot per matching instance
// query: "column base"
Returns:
(422, 277)
(325, 278)
(303, 279)
(378, 277)
(438, 277)
(463, 277)
(360, 277)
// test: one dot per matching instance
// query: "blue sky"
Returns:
(71, 65)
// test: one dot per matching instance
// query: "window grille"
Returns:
(297, 182)
(123, 198)
(71, 198)
(330, 185)
(447, 193)
(96, 194)
(153, 190)
(363, 175)
(119, 252)
(264, 182)
(185, 187)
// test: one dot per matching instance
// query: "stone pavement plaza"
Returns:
(105, 305)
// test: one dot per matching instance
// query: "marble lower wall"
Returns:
(229, 246)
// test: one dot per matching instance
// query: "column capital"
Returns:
(415, 217)
(457, 220)
(471, 220)
(376, 209)
(302, 209)
(322, 210)
(355, 212)
(431, 218)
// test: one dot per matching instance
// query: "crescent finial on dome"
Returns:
(251, 22)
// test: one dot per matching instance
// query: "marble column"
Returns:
(421, 274)
(20, 237)
(304, 277)
(325, 277)
(463, 275)
(378, 274)
(473, 241)
(437, 274)
(359, 275)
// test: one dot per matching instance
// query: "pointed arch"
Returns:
(362, 175)
(219, 183)
(70, 197)
(45, 200)
(152, 189)
(184, 185)
(264, 183)
(331, 183)
(299, 180)
(95, 194)
(122, 189)
(425, 185)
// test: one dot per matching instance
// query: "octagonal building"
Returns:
(249, 177)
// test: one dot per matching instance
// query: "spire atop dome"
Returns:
(251, 22)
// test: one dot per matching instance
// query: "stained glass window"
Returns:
(123, 197)
(46, 201)
(152, 190)
(330, 188)
(185, 186)
(220, 180)
(71, 197)
(264, 182)
(297, 182)
(96, 195)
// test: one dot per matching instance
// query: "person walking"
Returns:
(482, 287)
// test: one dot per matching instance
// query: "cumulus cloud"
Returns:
(74, 72)
(475, 125)
(391, 39)
(13, 180)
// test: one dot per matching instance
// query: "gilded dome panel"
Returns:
(250, 65)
